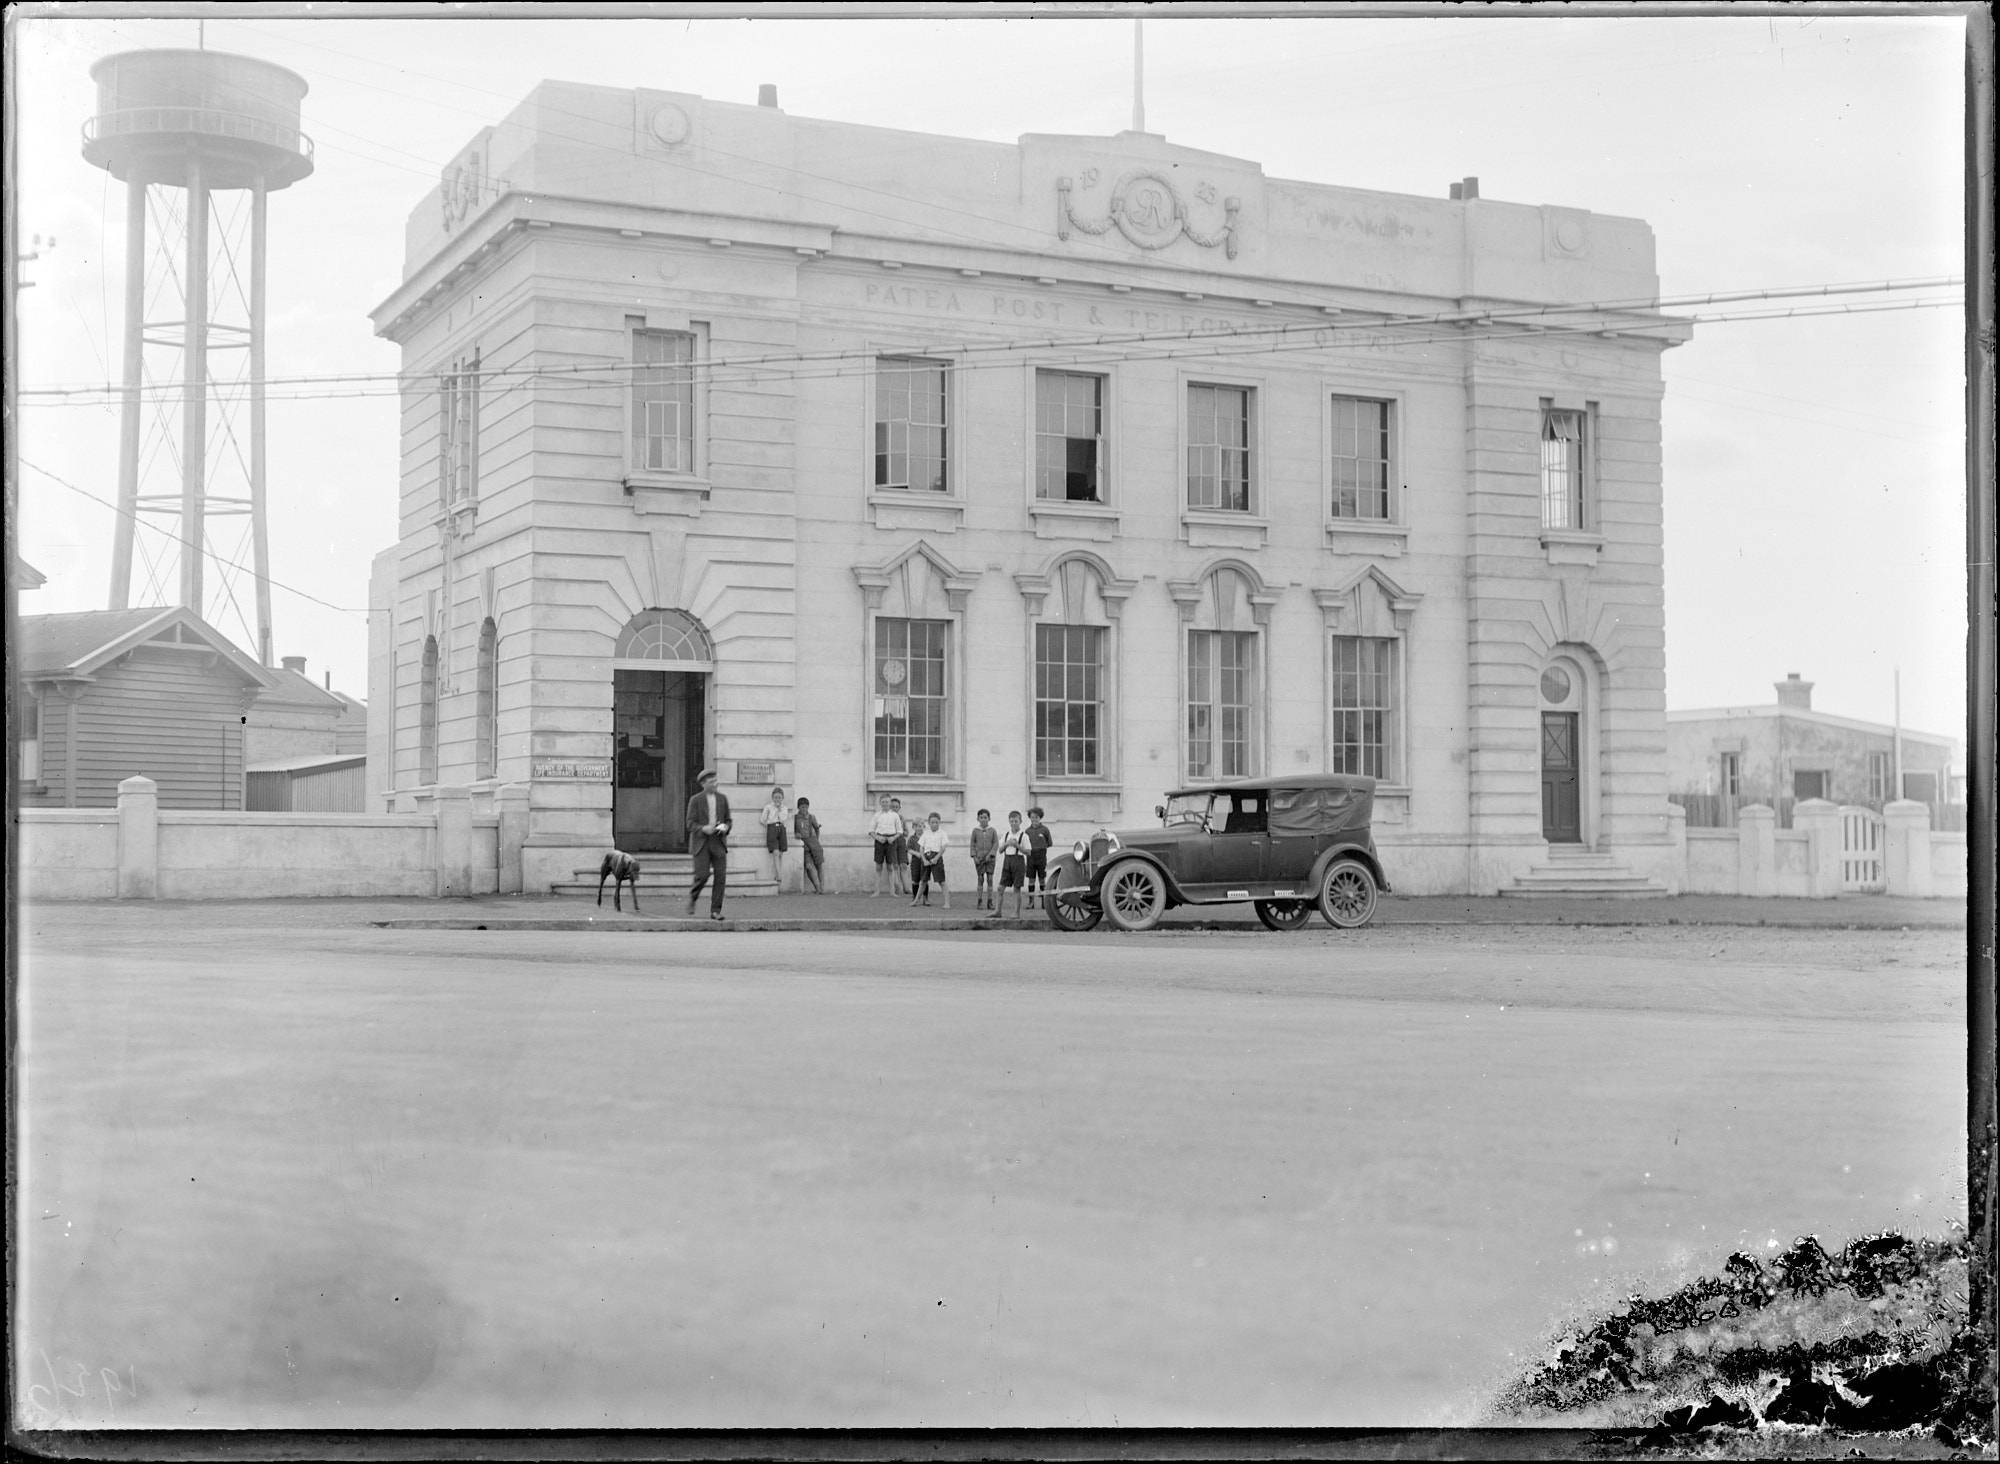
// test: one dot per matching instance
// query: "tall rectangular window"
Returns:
(1218, 438)
(910, 424)
(1069, 436)
(427, 714)
(1069, 705)
(1360, 459)
(1730, 774)
(1562, 469)
(486, 713)
(1222, 690)
(458, 432)
(662, 401)
(1364, 705)
(1879, 777)
(31, 739)
(911, 697)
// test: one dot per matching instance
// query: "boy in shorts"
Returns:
(985, 848)
(1013, 864)
(883, 830)
(1039, 839)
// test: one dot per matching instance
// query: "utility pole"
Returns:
(1138, 75)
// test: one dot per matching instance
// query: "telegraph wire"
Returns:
(1102, 349)
(188, 543)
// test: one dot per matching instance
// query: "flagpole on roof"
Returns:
(1138, 75)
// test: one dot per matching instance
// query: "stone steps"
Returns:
(1571, 872)
(664, 877)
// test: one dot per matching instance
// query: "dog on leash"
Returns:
(623, 869)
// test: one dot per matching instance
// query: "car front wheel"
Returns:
(1284, 914)
(1070, 909)
(1134, 895)
(1347, 894)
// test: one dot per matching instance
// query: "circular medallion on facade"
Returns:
(1555, 685)
(671, 125)
(1147, 209)
(1569, 236)
(893, 672)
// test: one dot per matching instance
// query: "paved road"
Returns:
(284, 1168)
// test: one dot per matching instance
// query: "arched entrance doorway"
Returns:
(1563, 705)
(659, 735)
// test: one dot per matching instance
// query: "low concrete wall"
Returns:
(68, 853)
(239, 856)
(1711, 862)
(1805, 862)
(458, 846)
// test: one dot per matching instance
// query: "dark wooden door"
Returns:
(1562, 811)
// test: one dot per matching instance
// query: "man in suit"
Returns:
(708, 841)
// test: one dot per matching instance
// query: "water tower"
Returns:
(199, 138)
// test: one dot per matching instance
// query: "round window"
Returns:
(1555, 685)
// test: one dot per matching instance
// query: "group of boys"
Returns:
(1021, 855)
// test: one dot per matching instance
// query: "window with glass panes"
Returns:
(427, 714)
(1221, 698)
(1068, 700)
(910, 424)
(1364, 705)
(1360, 458)
(1879, 776)
(662, 401)
(458, 432)
(1562, 469)
(486, 700)
(911, 696)
(1069, 436)
(1218, 437)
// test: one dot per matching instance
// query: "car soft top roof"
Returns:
(1351, 781)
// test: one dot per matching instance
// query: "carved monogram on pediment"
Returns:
(1148, 210)
(465, 188)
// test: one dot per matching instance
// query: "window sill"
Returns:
(893, 508)
(1057, 518)
(1204, 528)
(675, 493)
(1571, 546)
(457, 520)
(1368, 536)
(908, 789)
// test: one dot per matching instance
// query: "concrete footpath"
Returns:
(664, 911)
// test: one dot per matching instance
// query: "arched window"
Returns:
(1225, 613)
(427, 715)
(1073, 610)
(487, 709)
(665, 635)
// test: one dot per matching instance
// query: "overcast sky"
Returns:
(1815, 509)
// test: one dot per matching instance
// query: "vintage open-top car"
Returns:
(1289, 844)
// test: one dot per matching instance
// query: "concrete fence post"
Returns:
(1819, 820)
(138, 839)
(1756, 850)
(513, 803)
(454, 841)
(1677, 840)
(1906, 849)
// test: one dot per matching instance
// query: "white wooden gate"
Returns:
(1860, 850)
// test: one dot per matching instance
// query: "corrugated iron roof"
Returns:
(52, 643)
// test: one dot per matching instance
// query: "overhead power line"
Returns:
(186, 543)
(1129, 345)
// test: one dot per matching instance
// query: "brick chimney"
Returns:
(1795, 693)
(295, 664)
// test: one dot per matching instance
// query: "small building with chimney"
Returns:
(1722, 759)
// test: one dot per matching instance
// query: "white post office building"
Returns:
(1063, 472)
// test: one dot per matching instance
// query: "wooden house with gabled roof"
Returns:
(113, 693)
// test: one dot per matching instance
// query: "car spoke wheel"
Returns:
(1070, 909)
(1134, 895)
(1347, 894)
(1284, 914)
